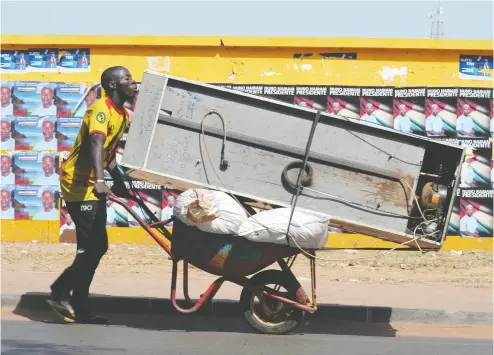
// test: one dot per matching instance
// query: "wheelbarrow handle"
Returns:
(144, 225)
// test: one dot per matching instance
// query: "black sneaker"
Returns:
(91, 320)
(60, 302)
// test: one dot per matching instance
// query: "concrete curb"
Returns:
(230, 309)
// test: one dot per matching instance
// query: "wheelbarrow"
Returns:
(272, 301)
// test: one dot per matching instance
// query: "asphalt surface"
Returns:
(36, 338)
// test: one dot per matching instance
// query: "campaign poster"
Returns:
(43, 60)
(376, 106)
(473, 113)
(281, 93)
(476, 211)
(69, 99)
(150, 194)
(6, 98)
(35, 133)
(14, 62)
(168, 200)
(440, 112)
(67, 225)
(36, 168)
(313, 97)
(116, 215)
(475, 67)
(67, 131)
(249, 89)
(454, 220)
(409, 110)
(476, 169)
(344, 101)
(491, 125)
(34, 99)
(74, 60)
(7, 168)
(7, 124)
(36, 203)
(7, 192)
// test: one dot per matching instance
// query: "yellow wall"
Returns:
(410, 62)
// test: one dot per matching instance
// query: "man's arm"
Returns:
(97, 142)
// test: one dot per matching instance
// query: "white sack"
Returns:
(229, 213)
(308, 230)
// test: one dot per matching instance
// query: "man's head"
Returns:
(5, 163)
(90, 97)
(68, 219)
(171, 201)
(5, 130)
(47, 97)
(469, 209)
(48, 130)
(368, 108)
(118, 80)
(403, 109)
(48, 164)
(6, 95)
(47, 199)
(336, 107)
(466, 110)
(5, 198)
(435, 109)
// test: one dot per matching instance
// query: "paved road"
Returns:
(35, 338)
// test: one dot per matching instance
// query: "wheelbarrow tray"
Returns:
(229, 256)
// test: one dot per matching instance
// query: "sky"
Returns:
(365, 18)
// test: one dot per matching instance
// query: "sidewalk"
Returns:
(405, 280)
(157, 285)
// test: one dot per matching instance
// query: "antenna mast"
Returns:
(437, 23)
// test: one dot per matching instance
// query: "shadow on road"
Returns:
(324, 321)
(26, 347)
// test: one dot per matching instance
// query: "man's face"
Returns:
(68, 220)
(46, 97)
(171, 202)
(125, 84)
(369, 110)
(5, 199)
(466, 111)
(403, 111)
(48, 130)
(48, 165)
(435, 111)
(6, 163)
(90, 97)
(5, 129)
(6, 95)
(470, 212)
(47, 201)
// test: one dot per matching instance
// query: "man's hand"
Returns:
(102, 191)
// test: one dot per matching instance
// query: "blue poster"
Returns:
(7, 128)
(36, 203)
(74, 60)
(475, 67)
(7, 193)
(35, 133)
(34, 99)
(36, 168)
(14, 62)
(43, 60)
(70, 99)
(67, 131)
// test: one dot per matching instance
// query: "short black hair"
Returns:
(108, 75)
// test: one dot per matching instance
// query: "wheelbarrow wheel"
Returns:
(267, 315)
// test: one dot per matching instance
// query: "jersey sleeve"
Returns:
(98, 121)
